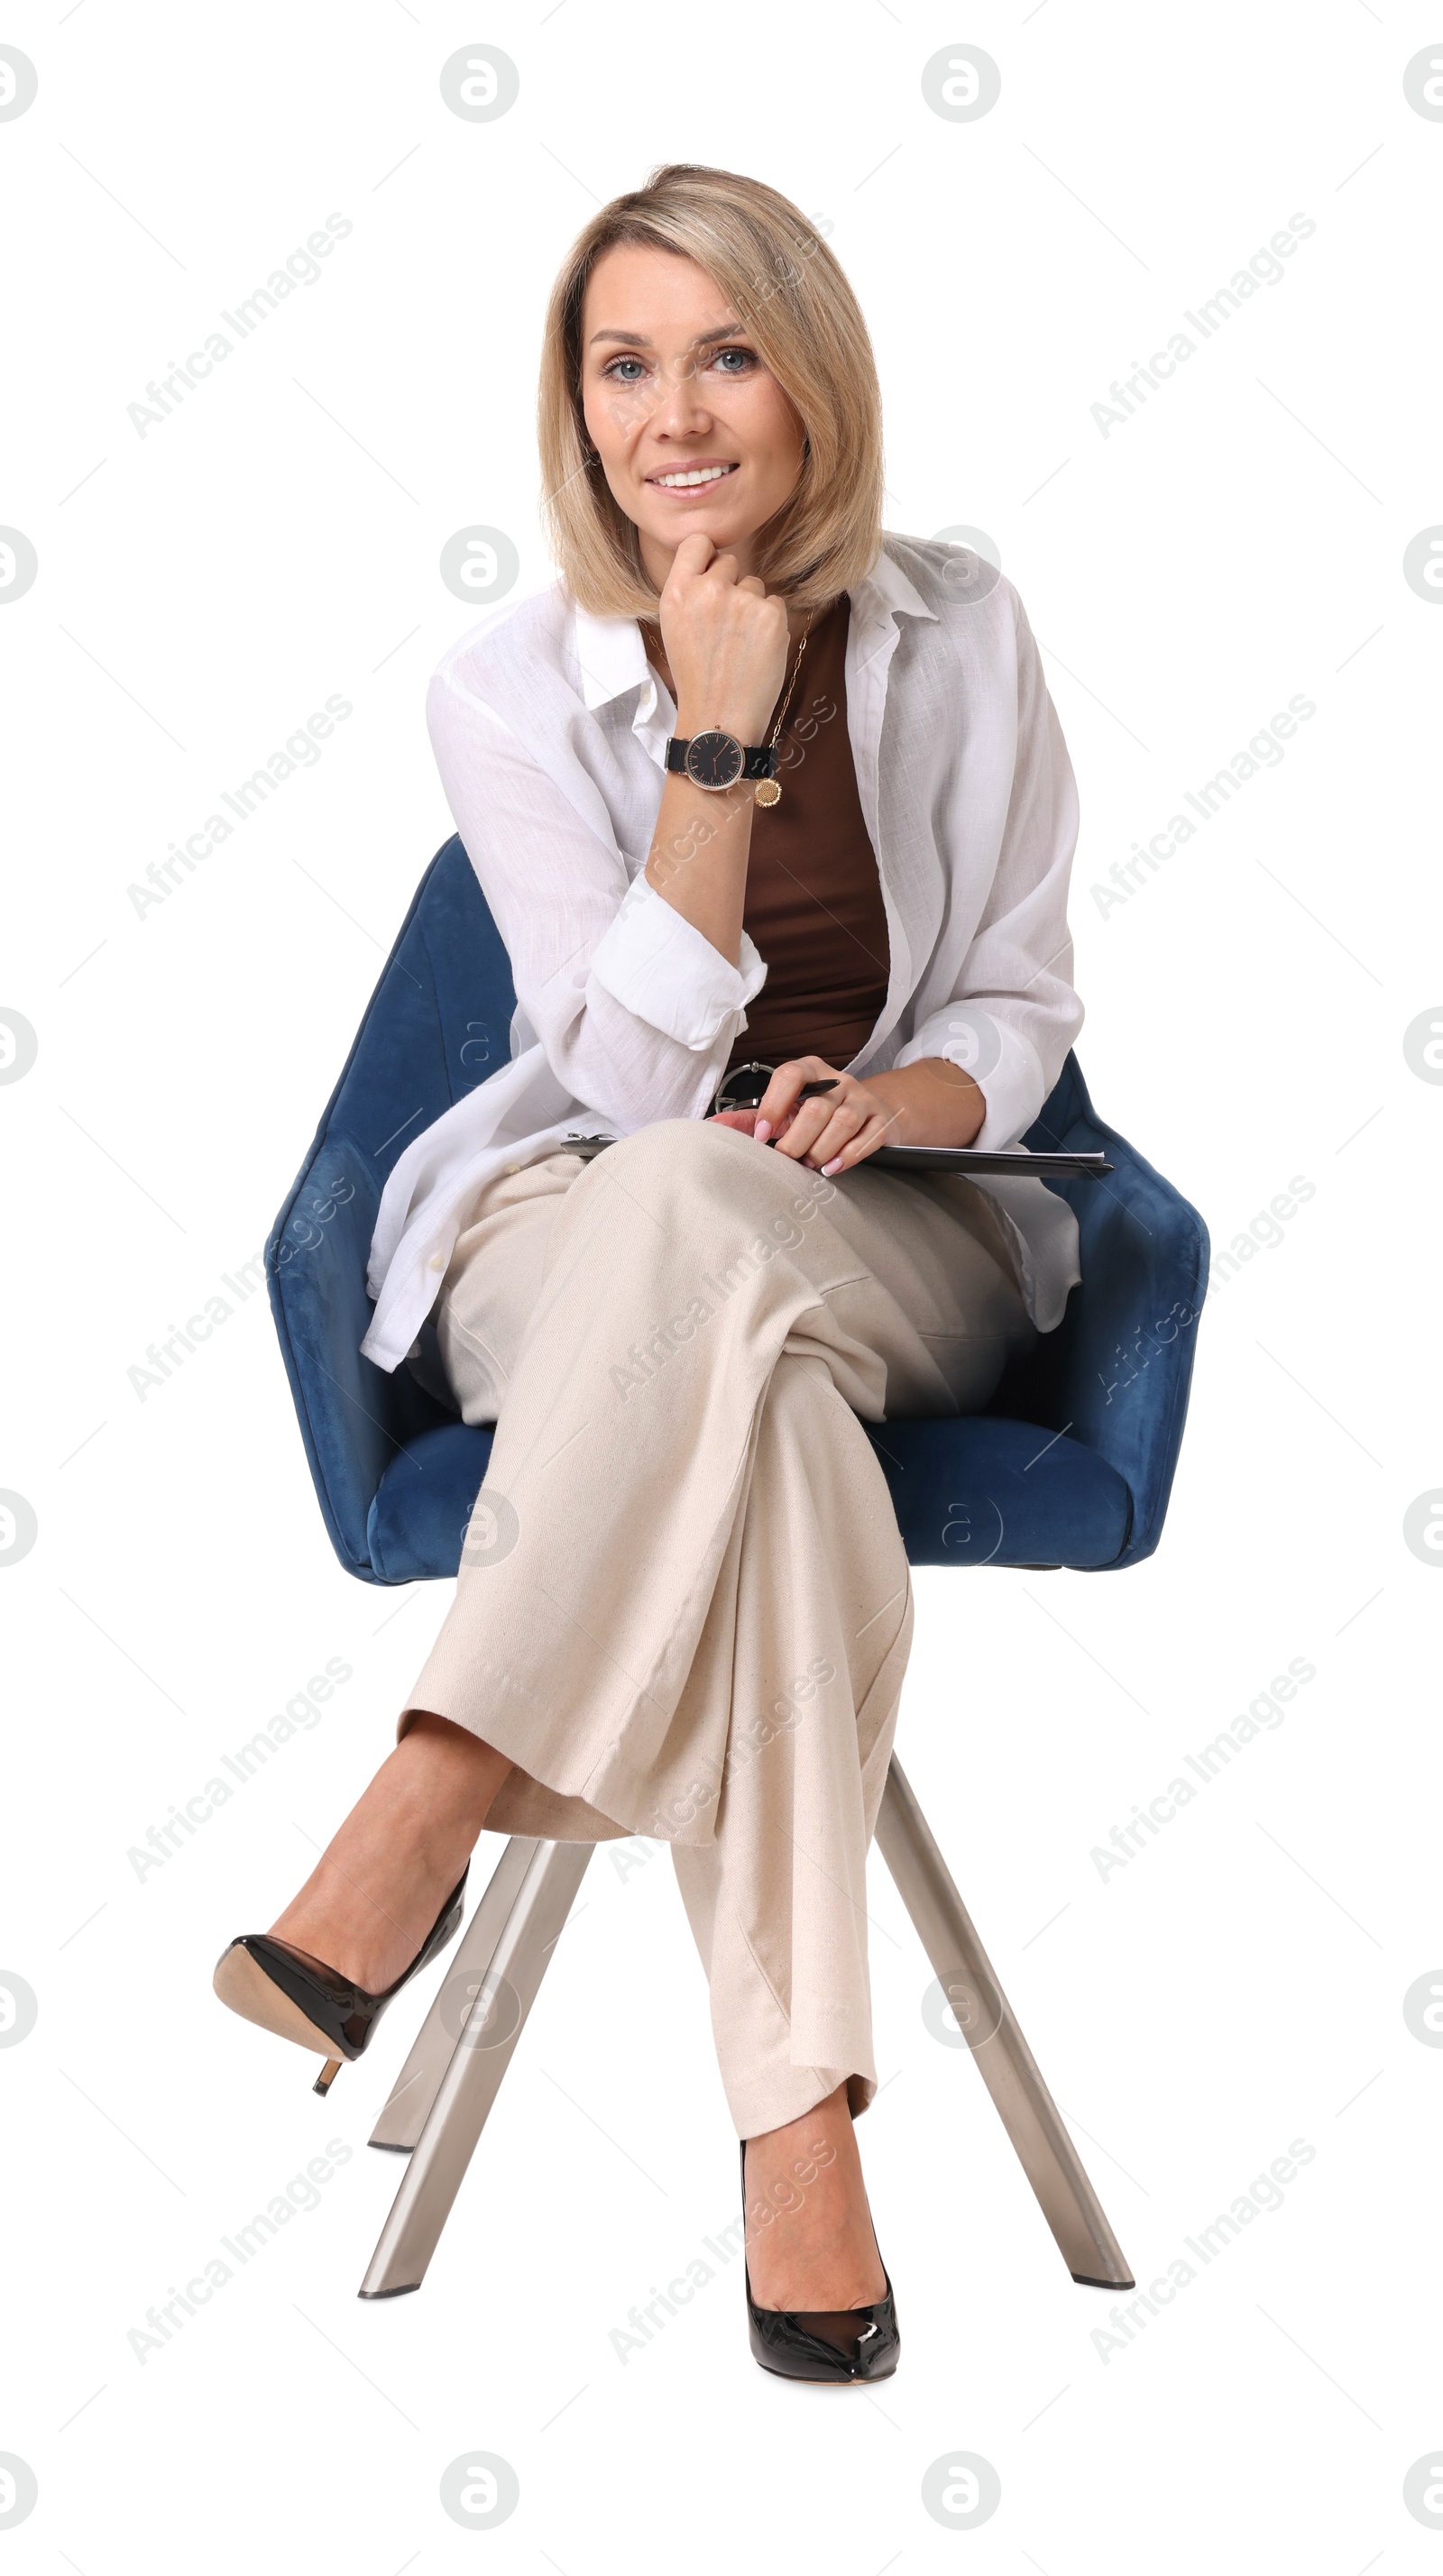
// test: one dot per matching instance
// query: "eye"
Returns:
(614, 370)
(746, 358)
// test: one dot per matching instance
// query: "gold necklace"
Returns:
(768, 791)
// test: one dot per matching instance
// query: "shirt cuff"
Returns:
(665, 971)
(1003, 1063)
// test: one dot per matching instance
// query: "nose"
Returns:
(681, 409)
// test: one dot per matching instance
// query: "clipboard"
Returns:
(1009, 1161)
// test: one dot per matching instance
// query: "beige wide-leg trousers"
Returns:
(683, 1607)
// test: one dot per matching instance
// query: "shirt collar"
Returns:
(886, 592)
(611, 657)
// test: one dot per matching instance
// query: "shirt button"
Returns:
(512, 1168)
(438, 1261)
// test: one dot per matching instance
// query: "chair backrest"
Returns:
(438, 1023)
(1113, 1377)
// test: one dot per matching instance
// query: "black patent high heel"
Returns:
(834, 2344)
(299, 1998)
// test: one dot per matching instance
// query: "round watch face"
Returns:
(714, 759)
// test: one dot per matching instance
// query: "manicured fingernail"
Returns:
(762, 1130)
(835, 1165)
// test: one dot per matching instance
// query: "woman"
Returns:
(683, 1608)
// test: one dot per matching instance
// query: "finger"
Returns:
(692, 556)
(725, 567)
(873, 1134)
(753, 582)
(810, 1122)
(816, 1114)
(839, 1128)
(784, 1089)
(845, 1142)
(745, 1119)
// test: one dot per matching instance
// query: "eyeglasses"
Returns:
(743, 1088)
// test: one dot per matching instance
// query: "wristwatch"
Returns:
(715, 760)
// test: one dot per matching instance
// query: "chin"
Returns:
(723, 532)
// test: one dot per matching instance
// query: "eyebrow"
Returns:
(639, 340)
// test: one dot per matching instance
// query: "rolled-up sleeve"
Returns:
(1003, 1063)
(665, 971)
(1013, 1013)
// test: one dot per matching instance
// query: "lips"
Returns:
(704, 476)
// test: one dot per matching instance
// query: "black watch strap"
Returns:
(759, 760)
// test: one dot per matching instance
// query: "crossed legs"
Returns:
(684, 1609)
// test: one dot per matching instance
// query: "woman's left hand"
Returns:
(931, 1103)
(831, 1133)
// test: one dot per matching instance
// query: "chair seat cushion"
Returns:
(974, 1491)
(986, 1491)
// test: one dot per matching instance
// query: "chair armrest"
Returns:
(1116, 1372)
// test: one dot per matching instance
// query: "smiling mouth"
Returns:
(690, 478)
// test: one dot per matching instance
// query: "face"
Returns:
(673, 389)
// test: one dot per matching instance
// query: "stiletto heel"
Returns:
(830, 2344)
(286, 1991)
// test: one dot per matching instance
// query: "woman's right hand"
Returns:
(726, 642)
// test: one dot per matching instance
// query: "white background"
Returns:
(1239, 1984)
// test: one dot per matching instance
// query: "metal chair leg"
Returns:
(488, 2019)
(419, 2081)
(1005, 2062)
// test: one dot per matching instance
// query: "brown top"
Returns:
(814, 900)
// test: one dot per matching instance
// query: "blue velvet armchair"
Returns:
(1070, 1464)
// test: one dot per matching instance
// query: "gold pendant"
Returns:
(767, 791)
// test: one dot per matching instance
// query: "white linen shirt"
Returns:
(550, 730)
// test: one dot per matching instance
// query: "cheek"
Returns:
(611, 413)
(775, 432)
(596, 412)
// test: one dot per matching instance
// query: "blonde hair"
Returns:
(791, 296)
